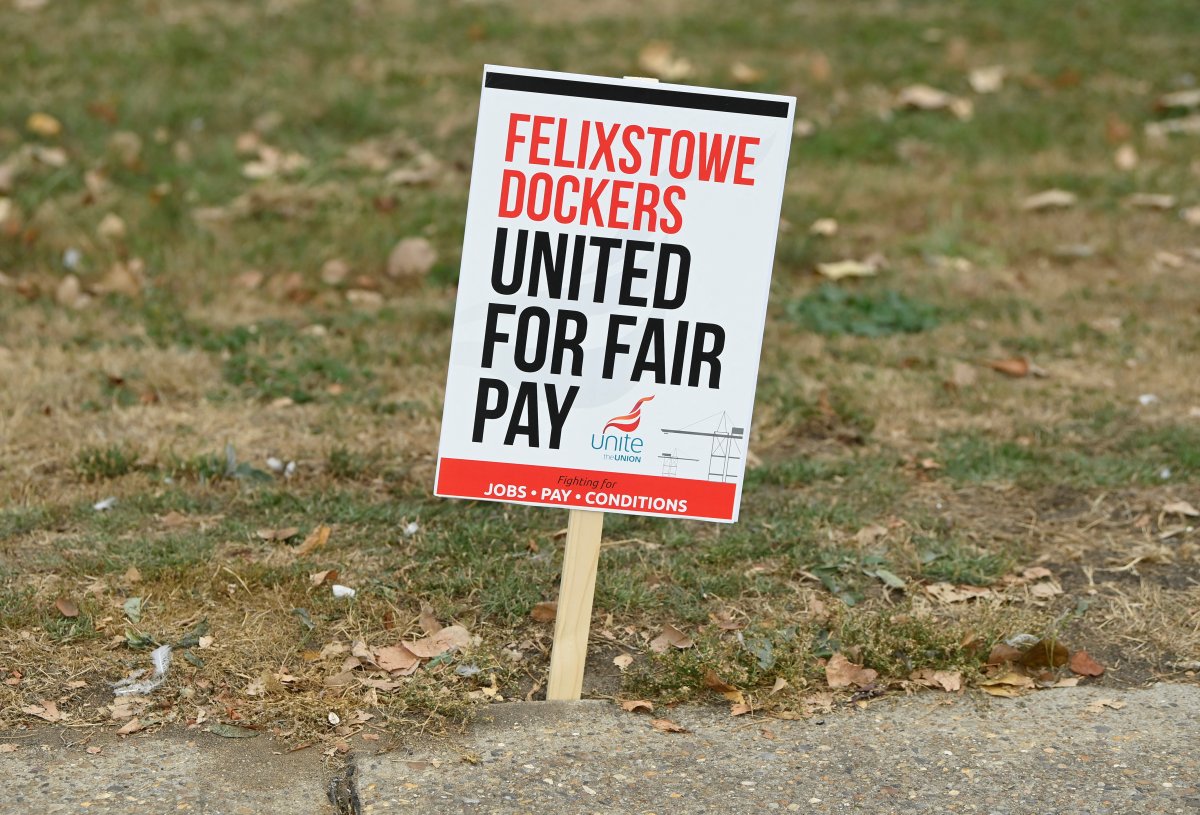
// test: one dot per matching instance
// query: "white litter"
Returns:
(1147, 399)
(105, 504)
(161, 657)
(274, 464)
(340, 591)
(411, 529)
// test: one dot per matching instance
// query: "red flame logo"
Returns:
(630, 421)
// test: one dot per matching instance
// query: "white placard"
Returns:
(613, 292)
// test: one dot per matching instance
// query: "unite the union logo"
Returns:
(622, 446)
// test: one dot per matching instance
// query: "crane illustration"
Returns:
(671, 462)
(726, 445)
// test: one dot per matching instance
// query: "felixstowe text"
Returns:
(600, 175)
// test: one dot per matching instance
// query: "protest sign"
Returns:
(612, 294)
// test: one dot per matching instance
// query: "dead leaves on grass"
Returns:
(921, 97)
(842, 673)
(671, 637)
(667, 726)
(398, 660)
(949, 681)
(545, 612)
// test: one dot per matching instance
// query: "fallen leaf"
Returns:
(1016, 367)
(1045, 653)
(962, 375)
(47, 710)
(740, 709)
(397, 659)
(278, 534)
(1186, 125)
(1179, 99)
(131, 726)
(1082, 664)
(315, 540)
(334, 271)
(987, 80)
(365, 299)
(1002, 653)
(667, 726)
(637, 706)
(950, 593)
(623, 661)
(126, 279)
(824, 227)
(1126, 157)
(926, 97)
(949, 681)
(1066, 682)
(670, 637)
(256, 687)
(743, 74)
(339, 679)
(428, 620)
(1099, 705)
(12, 748)
(43, 124)
(66, 607)
(1045, 590)
(716, 683)
(842, 673)
(841, 269)
(868, 535)
(411, 258)
(320, 578)
(363, 652)
(1181, 508)
(1145, 200)
(111, 227)
(545, 612)
(69, 293)
(780, 684)
(133, 609)
(453, 636)
(1012, 679)
(658, 58)
(1049, 199)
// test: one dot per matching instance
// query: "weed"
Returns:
(104, 463)
(834, 310)
(954, 561)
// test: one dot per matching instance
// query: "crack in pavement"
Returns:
(342, 791)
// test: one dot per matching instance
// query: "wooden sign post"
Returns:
(611, 303)
(581, 560)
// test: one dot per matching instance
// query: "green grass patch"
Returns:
(104, 463)
(834, 310)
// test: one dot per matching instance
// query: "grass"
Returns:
(879, 466)
(833, 310)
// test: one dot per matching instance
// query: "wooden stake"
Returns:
(574, 616)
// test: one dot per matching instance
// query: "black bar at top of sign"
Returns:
(637, 94)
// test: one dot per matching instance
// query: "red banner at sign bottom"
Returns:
(586, 489)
